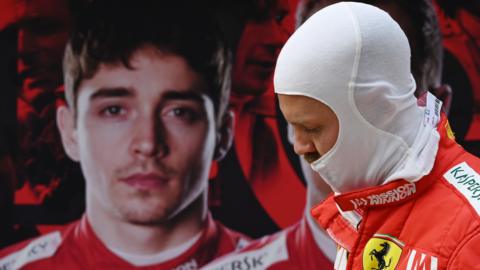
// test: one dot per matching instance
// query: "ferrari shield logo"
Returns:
(382, 252)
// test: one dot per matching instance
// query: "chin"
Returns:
(145, 212)
(144, 217)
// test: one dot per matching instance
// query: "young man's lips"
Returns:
(146, 181)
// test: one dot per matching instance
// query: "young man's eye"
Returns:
(183, 113)
(112, 111)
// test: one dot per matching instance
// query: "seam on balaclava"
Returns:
(352, 83)
(356, 62)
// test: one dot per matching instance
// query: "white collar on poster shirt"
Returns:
(164, 256)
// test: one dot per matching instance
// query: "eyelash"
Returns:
(181, 112)
(107, 111)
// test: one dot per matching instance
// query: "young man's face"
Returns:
(262, 38)
(145, 137)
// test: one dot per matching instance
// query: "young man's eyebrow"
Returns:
(111, 92)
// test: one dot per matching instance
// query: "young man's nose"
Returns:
(149, 139)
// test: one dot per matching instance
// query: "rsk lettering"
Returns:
(245, 263)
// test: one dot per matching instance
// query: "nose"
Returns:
(303, 145)
(149, 140)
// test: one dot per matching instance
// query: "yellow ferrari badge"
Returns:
(382, 252)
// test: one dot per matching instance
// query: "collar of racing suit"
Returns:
(331, 214)
(342, 56)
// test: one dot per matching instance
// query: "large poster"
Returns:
(258, 188)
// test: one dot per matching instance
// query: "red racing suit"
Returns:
(291, 248)
(77, 247)
(430, 224)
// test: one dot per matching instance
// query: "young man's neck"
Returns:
(149, 239)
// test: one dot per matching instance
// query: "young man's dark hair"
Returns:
(111, 35)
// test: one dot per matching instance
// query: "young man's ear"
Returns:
(225, 134)
(66, 126)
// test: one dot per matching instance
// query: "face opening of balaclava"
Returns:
(355, 59)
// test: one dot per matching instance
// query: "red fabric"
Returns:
(292, 248)
(81, 249)
(438, 221)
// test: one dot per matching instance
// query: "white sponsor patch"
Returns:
(42, 247)
(421, 261)
(262, 258)
(6, 263)
(432, 111)
(242, 242)
(467, 181)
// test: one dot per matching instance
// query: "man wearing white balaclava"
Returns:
(344, 84)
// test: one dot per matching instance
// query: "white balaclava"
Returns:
(355, 59)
